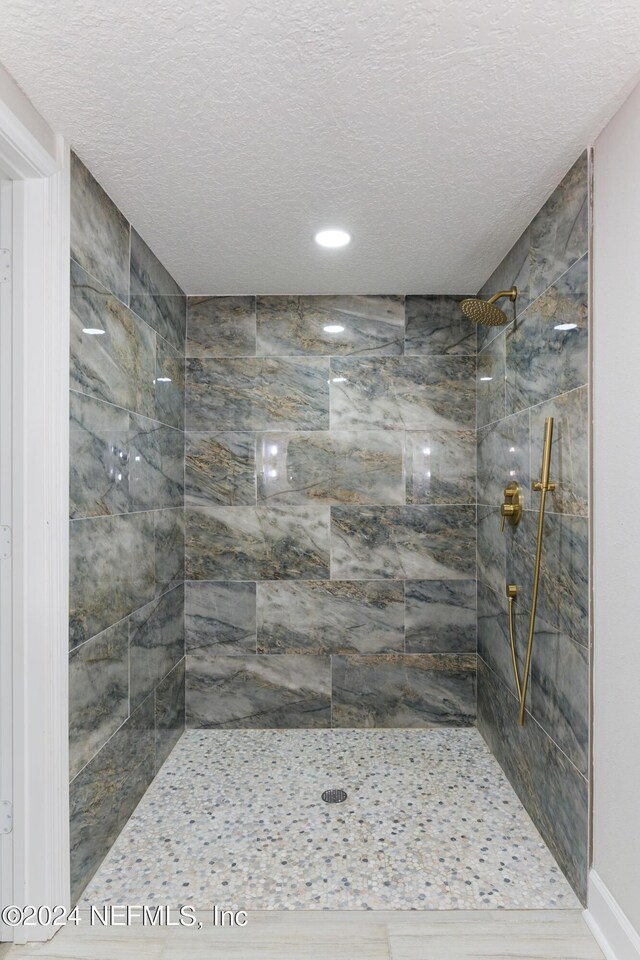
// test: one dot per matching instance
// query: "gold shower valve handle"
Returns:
(511, 509)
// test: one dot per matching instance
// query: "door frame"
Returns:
(37, 741)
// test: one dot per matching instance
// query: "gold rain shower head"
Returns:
(485, 311)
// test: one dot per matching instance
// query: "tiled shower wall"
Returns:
(534, 368)
(126, 663)
(330, 512)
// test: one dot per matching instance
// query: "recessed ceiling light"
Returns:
(93, 331)
(333, 238)
(566, 326)
(333, 328)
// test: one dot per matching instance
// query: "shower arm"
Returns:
(543, 486)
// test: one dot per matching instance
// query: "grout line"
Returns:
(131, 513)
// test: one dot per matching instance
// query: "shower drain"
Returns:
(334, 796)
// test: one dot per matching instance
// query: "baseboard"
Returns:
(617, 939)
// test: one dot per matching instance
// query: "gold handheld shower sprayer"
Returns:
(543, 486)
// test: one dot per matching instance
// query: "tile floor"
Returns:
(235, 818)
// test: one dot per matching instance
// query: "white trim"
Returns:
(616, 937)
(22, 156)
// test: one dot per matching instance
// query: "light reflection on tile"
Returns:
(441, 466)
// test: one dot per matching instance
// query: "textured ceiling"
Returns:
(229, 132)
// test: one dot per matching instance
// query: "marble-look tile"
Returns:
(503, 458)
(491, 373)
(494, 645)
(552, 790)
(99, 232)
(257, 543)
(325, 326)
(220, 468)
(440, 616)
(169, 712)
(119, 365)
(155, 465)
(98, 693)
(411, 393)
(156, 643)
(104, 794)
(543, 361)
(417, 542)
(569, 452)
(337, 616)
(513, 271)
(155, 295)
(169, 548)
(220, 615)
(414, 690)
(221, 327)
(491, 549)
(258, 691)
(98, 457)
(257, 394)
(440, 466)
(169, 385)
(435, 325)
(352, 466)
(111, 571)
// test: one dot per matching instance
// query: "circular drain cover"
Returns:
(334, 796)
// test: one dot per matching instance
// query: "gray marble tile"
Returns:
(257, 543)
(257, 394)
(351, 466)
(337, 616)
(155, 465)
(553, 792)
(221, 616)
(169, 385)
(513, 271)
(221, 327)
(491, 549)
(98, 693)
(111, 571)
(118, 365)
(569, 452)
(440, 616)
(258, 691)
(494, 645)
(491, 373)
(440, 466)
(417, 542)
(106, 791)
(169, 703)
(169, 548)
(503, 458)
(156, 643)
(155, 295)
(414, 690)
(99, 232)
(543, 361)
(435, 325)
(411, 393)
(98, 457)
(220, 469)
(324, 326)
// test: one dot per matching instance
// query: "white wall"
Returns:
(14, 100)
(616, 508)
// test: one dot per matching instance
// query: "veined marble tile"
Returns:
(435, 325)
(414, 690)
(257, 394)
(111, 571)
(543, 361)
(98, 457)
(491, 373)
(554, 793)
(221, 616)
(257, 543)
(323, 326)
(156, 643)
(106, 791)
(440, 616)
(220, 468)
(155, 467)
(169, 526)
(503, 458)
(411, 393)
(569, 451)
(118, 365)
(169, 704)
(221, 327)
(99, 232)
(350, 466)
(258, 691)
(494, 645)
(169, 384)
(441, 466)
(98, 693)
(492, 548)
(155, 295)
(337, 616)
(417, 542)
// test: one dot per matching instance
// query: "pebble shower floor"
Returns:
(235, 818)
